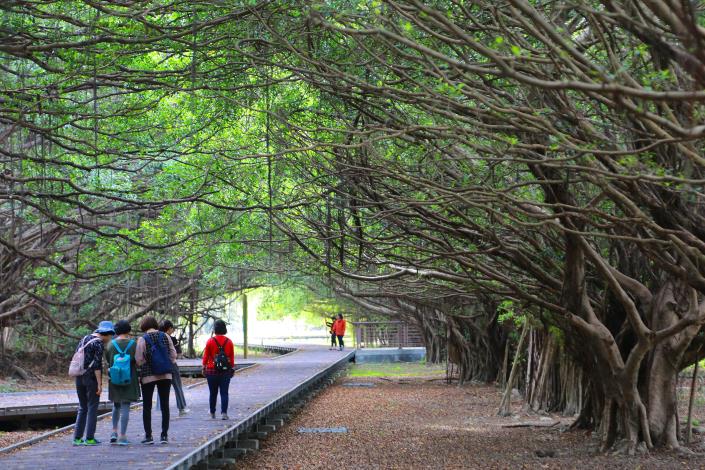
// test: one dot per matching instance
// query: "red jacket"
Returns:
(212, 350)
(339, 327)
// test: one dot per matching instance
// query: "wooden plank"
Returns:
(250, 392)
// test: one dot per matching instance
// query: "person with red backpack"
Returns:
(218, 367)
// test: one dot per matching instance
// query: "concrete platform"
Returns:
(383, 355)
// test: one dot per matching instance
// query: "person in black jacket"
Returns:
(329, 325)
(89, 386)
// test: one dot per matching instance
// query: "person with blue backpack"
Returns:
(123, 384)
(155, 356)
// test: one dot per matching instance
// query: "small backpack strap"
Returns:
(221, 346)
(86, 343)
(115, 345)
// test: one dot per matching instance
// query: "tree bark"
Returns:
(504, 409)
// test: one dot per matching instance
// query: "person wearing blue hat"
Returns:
(87, 367)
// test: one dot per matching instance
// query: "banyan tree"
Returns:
(479, 169)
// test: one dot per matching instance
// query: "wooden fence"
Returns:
(370, 334)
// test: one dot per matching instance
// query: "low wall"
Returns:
(381, 355)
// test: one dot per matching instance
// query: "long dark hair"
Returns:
(165, 325)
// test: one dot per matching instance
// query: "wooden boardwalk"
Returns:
(250, 391)
(13, 400)
(59, 403)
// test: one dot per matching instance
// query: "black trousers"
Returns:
(332, 339)
(163, 388)
(340, 341)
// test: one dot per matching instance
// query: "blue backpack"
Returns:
(158, 355)
(121, 370)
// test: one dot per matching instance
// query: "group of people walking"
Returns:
(139, 366)
(337, 331)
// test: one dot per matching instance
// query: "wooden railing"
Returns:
(371, 334)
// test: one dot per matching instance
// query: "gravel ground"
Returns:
(9, 438)
(410, 423)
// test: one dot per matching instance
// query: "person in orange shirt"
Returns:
(339, 330)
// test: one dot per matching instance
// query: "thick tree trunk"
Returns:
(663, 402)
(669, 305)
(639, 395)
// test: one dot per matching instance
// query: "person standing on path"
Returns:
(166, 326)
(89, 385)
(155, 356)
(329, 325)
(218, 367)
(123, 347)
(339, 330)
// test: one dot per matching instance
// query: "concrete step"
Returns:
(266, 428)
(221, 463)
(252, 444)
(236, 453)
(255, 435)
(231, 444)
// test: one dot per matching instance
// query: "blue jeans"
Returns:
(121, 414)
(216, 383)
(88, 399)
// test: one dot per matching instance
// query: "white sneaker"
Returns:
(184, 412)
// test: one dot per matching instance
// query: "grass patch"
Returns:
(397, 369)
(7, 388)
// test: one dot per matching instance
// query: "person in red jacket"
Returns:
(217, 369)
(339, 330)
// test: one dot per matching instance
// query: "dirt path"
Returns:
(426, 424)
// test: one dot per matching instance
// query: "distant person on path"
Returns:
(123, 385)
(87, 367)
(218, 367)
(329, 325)
(156, 356)
(167, 327)
(339, 329)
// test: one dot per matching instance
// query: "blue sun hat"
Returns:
(105, 328)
